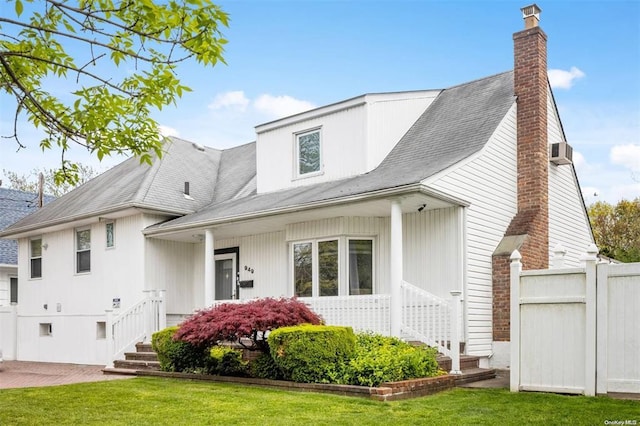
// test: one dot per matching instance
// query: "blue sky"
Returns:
(284, 57)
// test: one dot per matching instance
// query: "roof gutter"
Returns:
(16, 233)
(383, 193)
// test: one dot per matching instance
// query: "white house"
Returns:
(372, 210)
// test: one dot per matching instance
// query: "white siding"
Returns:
(355, 139)
(388, 121)
(342, 148)
(73, 303)
(5, 284)
(170, 266)
(493, 203)
(568, 221)
(432, 251)
(266, 255)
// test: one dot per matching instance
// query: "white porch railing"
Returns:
(135, 324)
(362, 313)
(432, 320)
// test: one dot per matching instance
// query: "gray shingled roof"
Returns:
(455, 126)
(14, 205)
(158, 187)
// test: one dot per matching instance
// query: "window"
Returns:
(328, 267)
(302, 269)
(308, 152)
(83, 250)
(320, 266)
(46, 329)
(13, 290)
(110, 229)
(35, 256)
(360, 267)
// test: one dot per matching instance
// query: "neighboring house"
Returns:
(372, 210)
(14, 205)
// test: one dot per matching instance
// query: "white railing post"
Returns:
(516, 270)
(147, 313)
(590, 260)
(162, 311)
(109, 337)
(455, 332)
(602, 324)
(558, 256)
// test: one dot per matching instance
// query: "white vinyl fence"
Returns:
(575, 330)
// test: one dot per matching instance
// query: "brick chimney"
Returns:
(528, 231)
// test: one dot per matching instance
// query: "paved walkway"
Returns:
(24, 374)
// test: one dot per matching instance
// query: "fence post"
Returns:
(602, 318)
(516, 269)
(147, 313)
(455, 332)
(558, 256)
(590, 260)
(162, 311)
(109, 337)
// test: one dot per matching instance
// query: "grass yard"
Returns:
(157, 401)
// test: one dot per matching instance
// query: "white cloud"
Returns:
(281, 106)
(168, 131)
(230, 100)
(627, 156)
(561, 79)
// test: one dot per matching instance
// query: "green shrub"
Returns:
(379, 359)
(311, 353)
(226, 361)
(176, 355)
(264, 367)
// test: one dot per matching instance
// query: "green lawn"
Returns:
(159, 401)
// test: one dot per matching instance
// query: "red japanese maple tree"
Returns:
(246, 323)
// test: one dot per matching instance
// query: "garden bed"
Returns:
(385, 392)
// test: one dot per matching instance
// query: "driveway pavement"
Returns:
(24, 374)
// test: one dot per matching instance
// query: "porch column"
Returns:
(209, 268)
(396, 268)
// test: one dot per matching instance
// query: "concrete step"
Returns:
(475, 375)
(137, 365)
(141, 356)
(467, 362)
(143, 347)
(119, 371)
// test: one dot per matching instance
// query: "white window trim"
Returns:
(31, 277)
(296, 154)
(343, 263)
(106, 240)
(76, 250)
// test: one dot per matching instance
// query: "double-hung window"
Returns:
(83, 250)
(35, 257)
(308, 153)
(333, 267)
(110, 230)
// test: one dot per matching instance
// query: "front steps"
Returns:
(470, 368)
(144, 358)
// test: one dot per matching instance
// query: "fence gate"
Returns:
(575, 330)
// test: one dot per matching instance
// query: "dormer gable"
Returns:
(336, 141)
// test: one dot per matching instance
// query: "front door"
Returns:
(226, 276)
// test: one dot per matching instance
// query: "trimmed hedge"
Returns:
(379, 359)
(227, 361)
(311, 353)
(175, 355)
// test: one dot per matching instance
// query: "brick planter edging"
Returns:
(386, 392)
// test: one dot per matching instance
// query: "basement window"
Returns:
(46, 329)
(101, 330)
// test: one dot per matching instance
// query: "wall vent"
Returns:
(560, 153)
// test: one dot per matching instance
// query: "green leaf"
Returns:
(19, 7)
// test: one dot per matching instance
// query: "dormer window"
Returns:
(308, 153)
